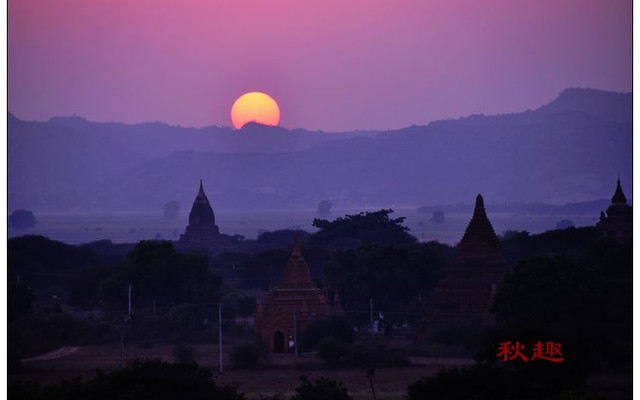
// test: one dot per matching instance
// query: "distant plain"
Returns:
(131, 227)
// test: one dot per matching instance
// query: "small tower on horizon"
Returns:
(618, 221)
(479, 242)
(202, 230)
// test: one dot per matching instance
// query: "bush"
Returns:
(335, 353)
(246, 355)
(184, 354)
(141, 379)
(322, 389)
(564, 224)
(335, 327)
(324, 208)
(491, 382)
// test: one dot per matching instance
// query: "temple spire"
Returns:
(618, 196)
(297, 269)
(480, 240)
(479, 203)
(296, 246)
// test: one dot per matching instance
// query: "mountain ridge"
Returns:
(568, 150)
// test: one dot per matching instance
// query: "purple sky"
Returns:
(330, 64)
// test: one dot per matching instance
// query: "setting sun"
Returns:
(255, 107)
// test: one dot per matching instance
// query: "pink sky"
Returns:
(330, 64)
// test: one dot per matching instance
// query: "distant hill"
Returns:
(569, 150)
(609, 106)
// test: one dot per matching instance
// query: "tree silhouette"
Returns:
(22, 219)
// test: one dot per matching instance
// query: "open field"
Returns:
(283, 377)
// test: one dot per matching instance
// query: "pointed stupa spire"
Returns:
(201, 191)
(296, 246)
(480, 240)
(297, 269)
(618, 196)
(201, 211)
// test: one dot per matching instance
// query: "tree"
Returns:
(171, 210)
(158, 273)
(365, 227)
(394, 276)
(550, 291)
(437, 217)
(564, 224)
(585, 299)
(22, 219)
(324, 208)
(44, 263)
(19, 299)
(141, 379)
(322, 389)
(490, 382)
(335, 327)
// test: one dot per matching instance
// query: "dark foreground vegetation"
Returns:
(571, 287)
(157, 380)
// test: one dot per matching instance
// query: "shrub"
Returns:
(335, 327)
(491, 382)
(184, 354)
(335, 353)
(141, 379)
(322, 389)
(332, 352)
(246, 355)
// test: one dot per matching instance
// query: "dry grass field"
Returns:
(282, 377)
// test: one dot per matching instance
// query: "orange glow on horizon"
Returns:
(255, 107)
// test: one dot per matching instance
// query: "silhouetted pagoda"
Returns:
(468, 290)
(202, 231)
(618, 222)
(274, 322)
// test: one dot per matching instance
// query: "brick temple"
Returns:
(296, 301)
(467, 292)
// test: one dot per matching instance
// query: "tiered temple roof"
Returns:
(467, 292)
(618, 222)
(479, 242)
(202, 231)
(296, 294)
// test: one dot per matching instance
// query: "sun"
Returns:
(255, 107)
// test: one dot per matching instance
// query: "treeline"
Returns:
(568, 286)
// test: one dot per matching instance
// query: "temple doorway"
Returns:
(278, 342)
